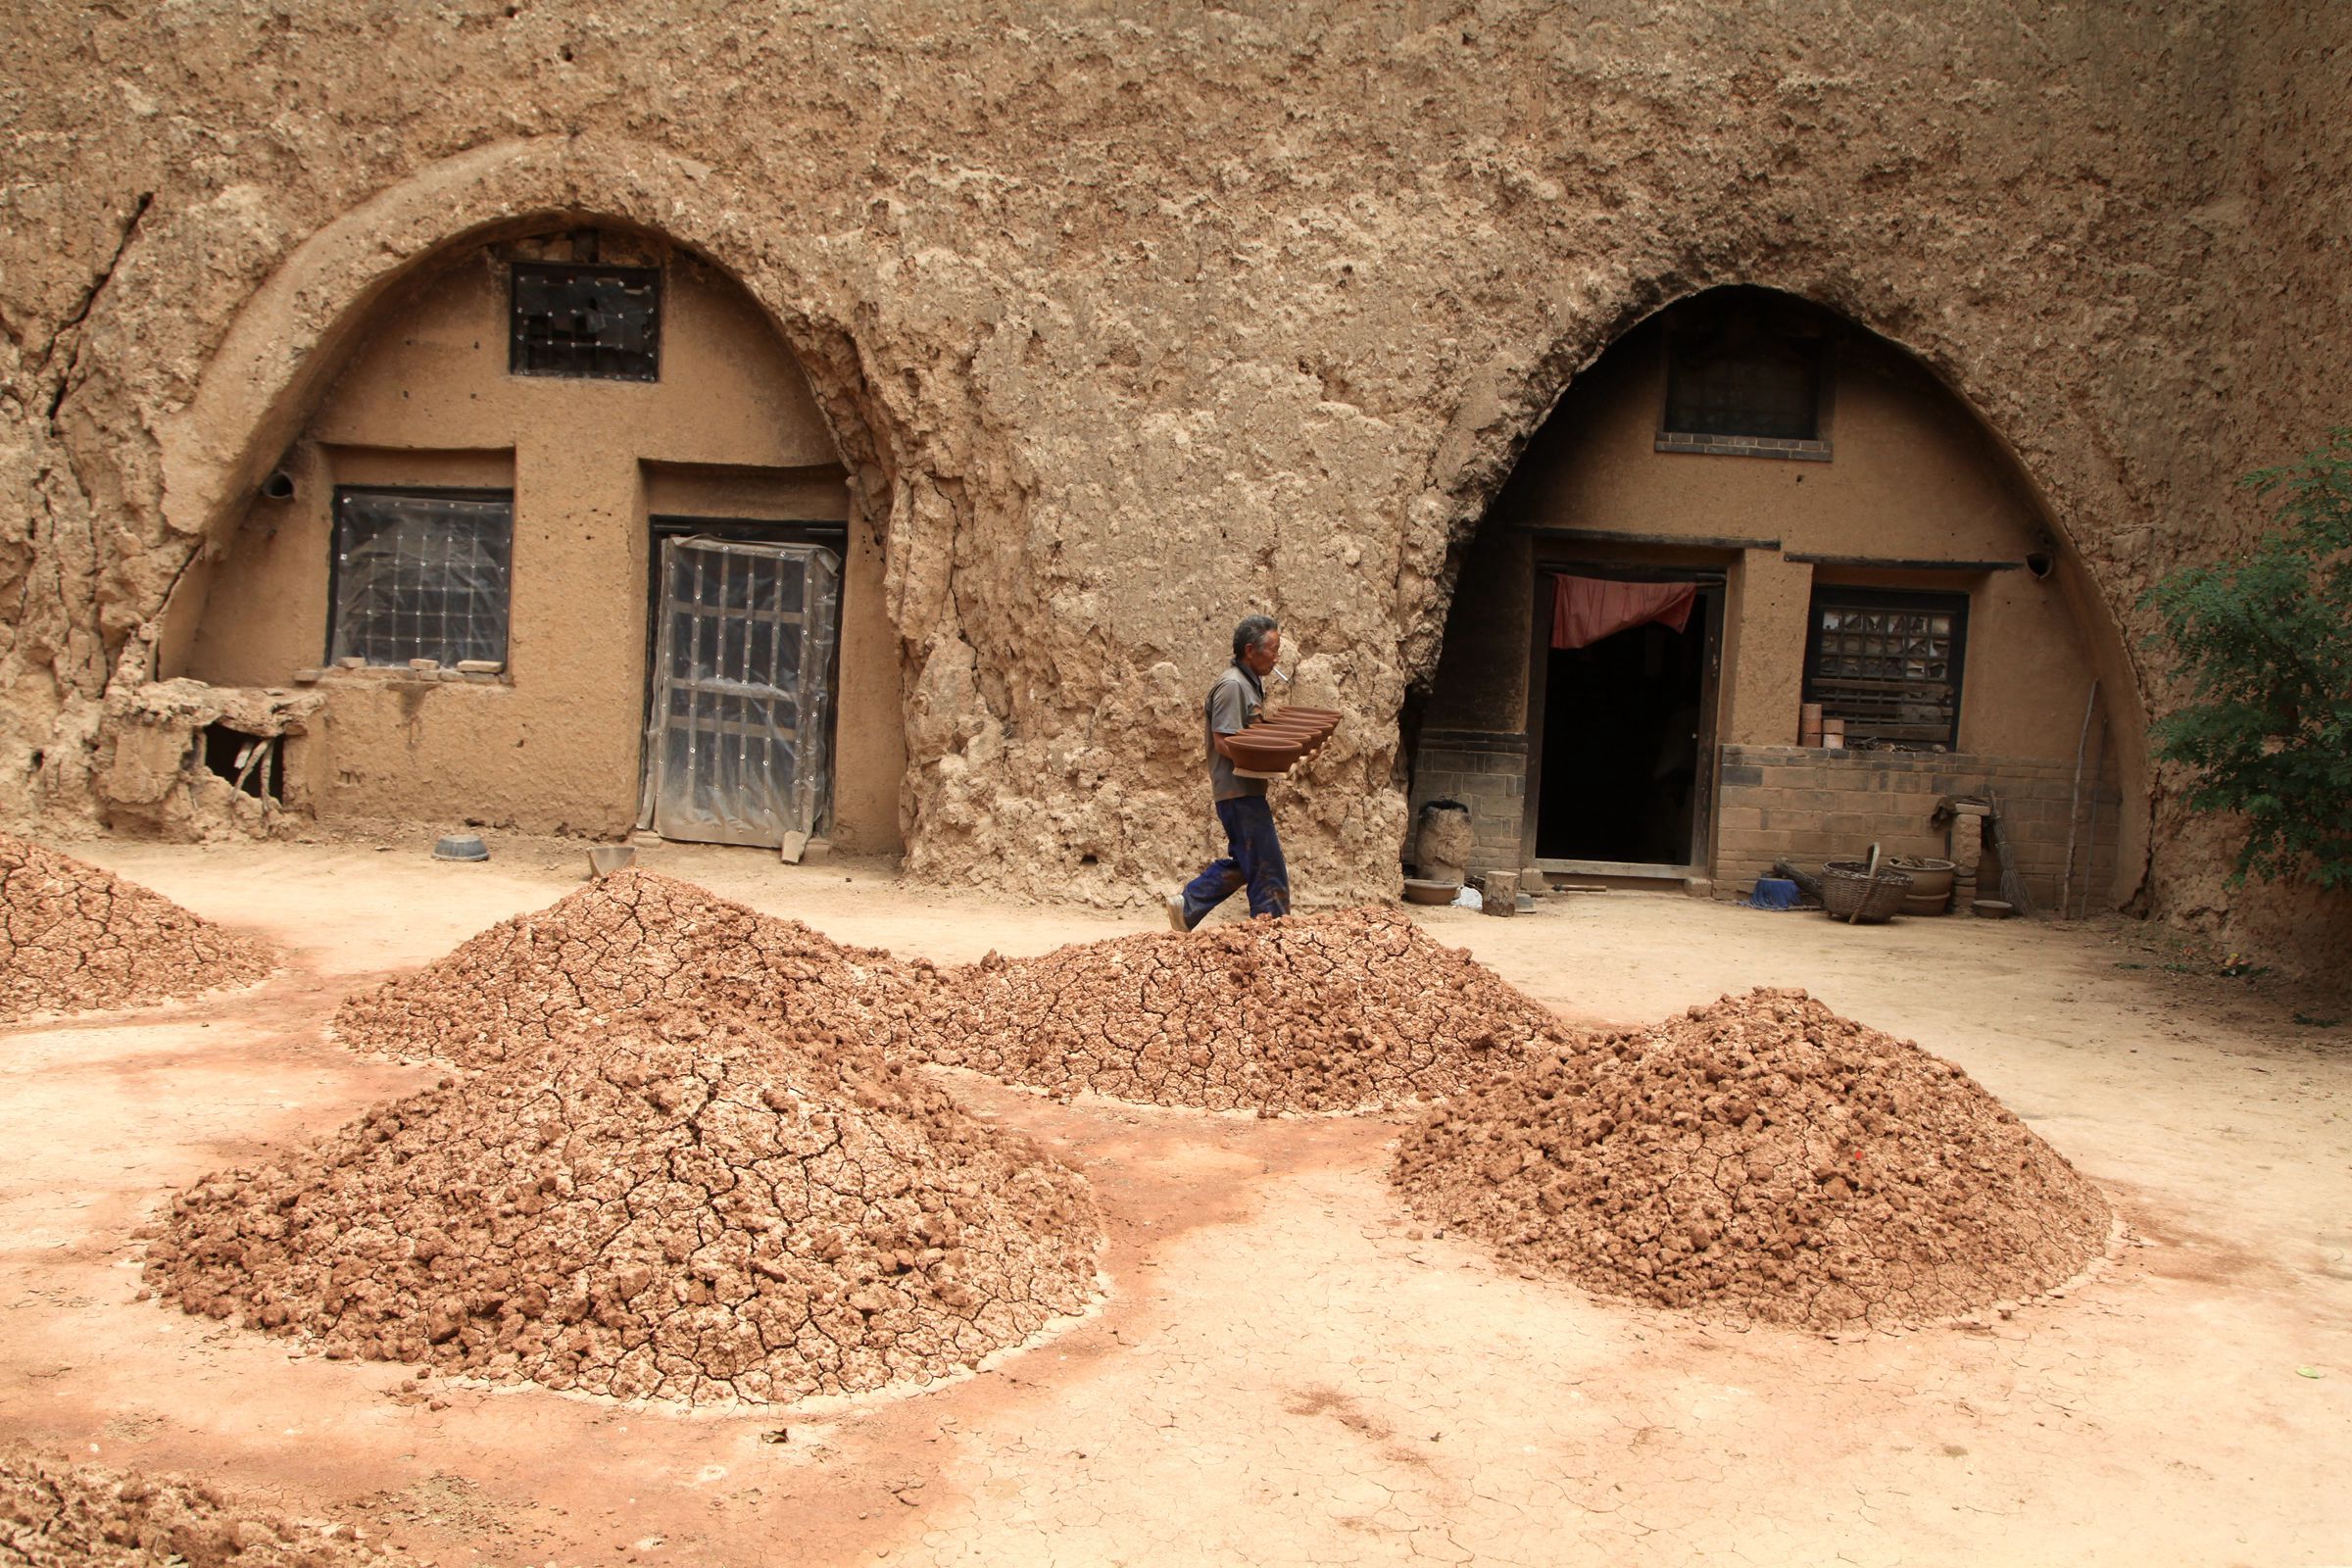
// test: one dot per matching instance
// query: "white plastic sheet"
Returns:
(420, 576)
(742, 691)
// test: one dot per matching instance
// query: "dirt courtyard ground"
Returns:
(1286, 1371)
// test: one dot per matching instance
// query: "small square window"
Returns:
(1888, 663)
(420, 574)
(599, 321)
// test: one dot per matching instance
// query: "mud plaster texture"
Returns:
(626, 942)
(677, 1207)
(1127, 322)
(1355, 1010)
(1274, 1318)
(75, 938)
(55, 1515)
(1762, 1158)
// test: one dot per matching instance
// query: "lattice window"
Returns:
(569, 319)
(420, 574)
(1744, 381)
(1888, 663)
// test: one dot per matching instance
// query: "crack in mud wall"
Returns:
(1133, 324)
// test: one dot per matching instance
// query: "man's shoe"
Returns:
(1176, 912)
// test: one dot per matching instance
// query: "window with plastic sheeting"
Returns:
(420, 574)
(596, 322)
(1889, 663)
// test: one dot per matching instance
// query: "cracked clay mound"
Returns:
(678, 1208)
(628, 941)
(1759, 1158)
(1348, 1011)
(73, 937)
(78, 1516)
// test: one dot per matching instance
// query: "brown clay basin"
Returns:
(1308, 741)
(1261, 754)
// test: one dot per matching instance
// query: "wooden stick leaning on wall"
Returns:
(2074, 807)
(2090, 849)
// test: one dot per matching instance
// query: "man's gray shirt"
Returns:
(1233, 701)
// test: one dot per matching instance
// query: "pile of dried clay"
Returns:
(671, 1206)
(73, 937)
(80, 1516)
(627, 942)
(1349, 1012)
(1761, 1158)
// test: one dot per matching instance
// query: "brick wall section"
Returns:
(1487, 774)
(1806, 806)
(1744, 446)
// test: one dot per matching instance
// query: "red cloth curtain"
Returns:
(1585, 609)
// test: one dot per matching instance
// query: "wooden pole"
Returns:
(2091, 851)
(2074, 807)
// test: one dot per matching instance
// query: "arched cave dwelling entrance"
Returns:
(1747, 506)
(566, 546)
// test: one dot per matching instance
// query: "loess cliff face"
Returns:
(1130, 319)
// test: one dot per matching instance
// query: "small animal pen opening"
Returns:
(251, 762)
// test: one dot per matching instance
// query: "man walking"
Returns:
(1252, 851)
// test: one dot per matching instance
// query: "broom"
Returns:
(2013, 886)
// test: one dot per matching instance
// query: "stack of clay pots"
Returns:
(1277, 740)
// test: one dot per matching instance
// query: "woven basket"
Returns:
(1849, 893)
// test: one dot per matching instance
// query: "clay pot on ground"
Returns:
(1930, 878)
(1420, 890)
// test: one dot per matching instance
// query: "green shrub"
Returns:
(2264, 639)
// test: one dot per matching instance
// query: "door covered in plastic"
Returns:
(742, 691)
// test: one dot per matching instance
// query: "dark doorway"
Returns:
(1627, 734)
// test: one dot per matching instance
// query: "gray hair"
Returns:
(1251, 632)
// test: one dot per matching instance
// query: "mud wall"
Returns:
(1126, 321)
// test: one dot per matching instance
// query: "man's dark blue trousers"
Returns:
(1252, 860)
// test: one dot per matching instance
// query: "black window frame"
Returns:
(1844, 596)
(1751, 343)
(581, 361)
(336, 537)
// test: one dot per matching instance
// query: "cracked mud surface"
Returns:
(630, 941)
(75, 939)
(1349, 1012)
(80, 1516)
(674, 1208)
(1762, 1158)
(1291, 1368)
